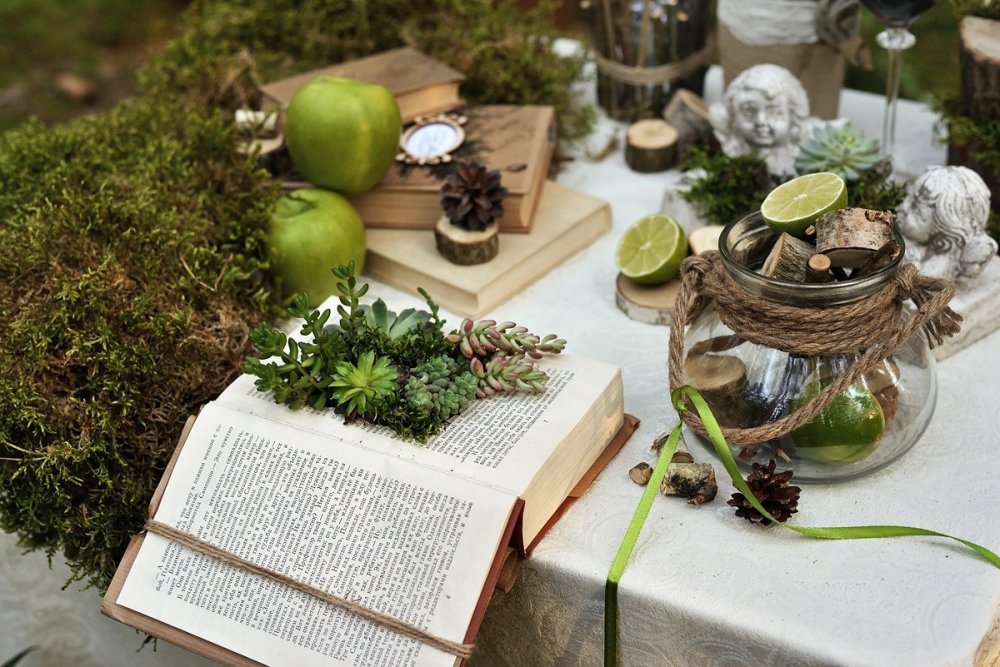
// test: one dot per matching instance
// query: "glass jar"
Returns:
(866, 427)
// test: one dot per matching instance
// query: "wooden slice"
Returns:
(464, 247)
(721, 379)
(651, 146)
(705, 238)
(648, 304)
(851, 236)
(788, 259)
(688, 113)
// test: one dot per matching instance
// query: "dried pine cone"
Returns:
(772, 491)
(472, 197)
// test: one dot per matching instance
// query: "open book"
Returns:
(413, 532)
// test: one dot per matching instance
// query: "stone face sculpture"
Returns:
(943, 219)
(765, 109)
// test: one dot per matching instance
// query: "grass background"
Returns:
(105, 41)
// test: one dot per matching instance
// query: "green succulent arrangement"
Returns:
(400, 370)
(844, 151)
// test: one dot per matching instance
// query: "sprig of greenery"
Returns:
(730, 187)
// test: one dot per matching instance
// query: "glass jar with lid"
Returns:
(756, 372)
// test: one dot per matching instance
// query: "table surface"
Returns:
(703, 587)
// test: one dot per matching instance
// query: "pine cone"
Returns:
(772, 491)
(472, 197)
(440, 387)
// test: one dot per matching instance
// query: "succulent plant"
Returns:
(379, 318)
(360, 387)
(845, 151)
(472, 197)
(440, 387)
(507, 374)
(484, 338)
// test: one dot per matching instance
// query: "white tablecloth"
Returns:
(703, 588)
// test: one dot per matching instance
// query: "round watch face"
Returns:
(431, 140)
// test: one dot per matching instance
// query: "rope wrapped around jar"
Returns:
(871, 328)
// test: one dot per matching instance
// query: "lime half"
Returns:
(793, 206)
(651, 251)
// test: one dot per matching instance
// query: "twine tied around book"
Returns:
(871, 327)
(199, 545)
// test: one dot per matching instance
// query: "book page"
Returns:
(501, 441)
(396, 537)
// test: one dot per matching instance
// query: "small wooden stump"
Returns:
(464, 247)
(651, 146)
(647, 304)
(721, 379)
(980, 66)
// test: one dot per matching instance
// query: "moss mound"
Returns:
(227, 48)
(131, 247)
(129, 259)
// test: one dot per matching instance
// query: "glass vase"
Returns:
(869, 425)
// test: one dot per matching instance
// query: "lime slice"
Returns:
(846, 431)
(793, 206)
(651, 251)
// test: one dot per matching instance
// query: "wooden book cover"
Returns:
(506, 561)
(421, 84)
(566, 222)
(516, 140)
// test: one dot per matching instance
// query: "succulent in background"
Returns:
(440, 387)
(360, 387)
(472, 197)
(845, 151)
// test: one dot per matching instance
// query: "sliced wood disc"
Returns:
(648, 304)
(651, 145)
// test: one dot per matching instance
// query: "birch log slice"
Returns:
(647, 304)
(465, 247)
(651, 146)
(980, 67)
(851, 236)
(788, 259)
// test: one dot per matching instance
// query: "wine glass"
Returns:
(896, 16)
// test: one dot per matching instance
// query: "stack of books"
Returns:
(544, 223)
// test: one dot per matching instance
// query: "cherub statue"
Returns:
(764, 109)
(943, 219)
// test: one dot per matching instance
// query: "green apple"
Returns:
(312, 232)
(342, 134)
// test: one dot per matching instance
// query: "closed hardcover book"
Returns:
(566, 222)
(421, 84)
(417, 533)
(518, 141)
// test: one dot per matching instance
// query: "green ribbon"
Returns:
(722, 450)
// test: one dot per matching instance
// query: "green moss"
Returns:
(227, 48)
(130, 248)
(731, 186)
